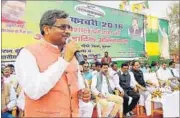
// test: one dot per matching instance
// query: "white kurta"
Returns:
(104, 91)
(85, 109)
(145, 97)
(164, 74)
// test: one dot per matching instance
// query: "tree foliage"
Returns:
(174, 19)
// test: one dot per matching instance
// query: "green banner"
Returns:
(151, 35)
(97, 29)
(152, 29)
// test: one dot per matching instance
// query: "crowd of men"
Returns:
(114, 90)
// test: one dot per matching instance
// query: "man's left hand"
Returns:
(122, 93)
(85, 95)
(143, 88)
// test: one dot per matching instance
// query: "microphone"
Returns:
(77, 54)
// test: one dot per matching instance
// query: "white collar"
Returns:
(113, 71)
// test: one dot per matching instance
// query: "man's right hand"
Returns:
(69, 51)
(121, 94)
(135, 89)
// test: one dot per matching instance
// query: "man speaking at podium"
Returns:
(48, 71)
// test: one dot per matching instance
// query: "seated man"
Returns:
(86, 109)
(141, 85)
(10, 78)
(8, 99)
(166, 78)
(127, 82)
(103, 87)
(151, 81)
(156, 92)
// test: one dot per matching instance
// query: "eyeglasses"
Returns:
(63, 27)
(86, 66)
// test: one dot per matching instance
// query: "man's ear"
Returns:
(46, 29)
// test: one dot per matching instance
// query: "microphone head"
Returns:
(68, 40)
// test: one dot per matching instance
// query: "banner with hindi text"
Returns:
(96, 29)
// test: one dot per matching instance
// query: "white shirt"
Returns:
(35, 83)
(164, 74)
(112, 72)
(12, 99)
(151, 77)
(104, 89)
(115, 79)
(175, 72)
(177, 66)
